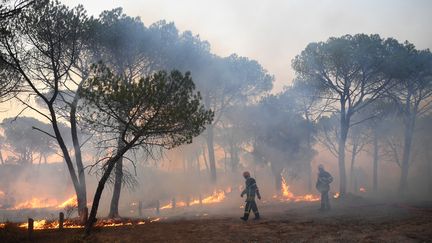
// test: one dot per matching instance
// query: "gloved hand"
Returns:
(259, 197)
(241, 195)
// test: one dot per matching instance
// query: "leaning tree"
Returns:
(42, 45)
(158, 110)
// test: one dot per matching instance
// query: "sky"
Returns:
(273, 32)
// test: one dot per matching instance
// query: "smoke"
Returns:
(268, 135)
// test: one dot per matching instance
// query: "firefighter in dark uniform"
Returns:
(323, 186)
(250, 190)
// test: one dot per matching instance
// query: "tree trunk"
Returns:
(352, 174)
(225, 160)
(309, 176)
(205, 161)
(1, 158)
(234, 158)
(210, 147)
(82, 194)
(114, 212)
(198, 166)
(375, 161)
(96, 199)
(344, 126)
(408, 137)
(309, 164)
(277, 172)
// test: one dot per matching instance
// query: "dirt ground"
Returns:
(348, 221)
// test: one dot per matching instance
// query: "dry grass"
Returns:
(348, 222)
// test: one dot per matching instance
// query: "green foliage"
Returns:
(23, 140)
(162, 109)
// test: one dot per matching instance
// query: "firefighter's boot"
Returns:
(257, 216)
(245, 217)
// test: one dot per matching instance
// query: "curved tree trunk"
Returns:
(82, 193)
(96, 199)
(66, 156)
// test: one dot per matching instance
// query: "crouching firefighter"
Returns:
(250, 191)
(323, 186)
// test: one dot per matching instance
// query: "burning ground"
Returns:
(354, 219)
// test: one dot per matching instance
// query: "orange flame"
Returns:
(362, 189)
(36, 203)
(71, 202)
(287, 195)
(336, 195)
(217, 197)
(46, 203)
(45, 224)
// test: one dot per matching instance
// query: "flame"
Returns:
(71, 202)
(362, 189)
(287, 195)
(45, 224)
(166, 206)
(336, 195)
(217, 197)
(40, 224)
(2, 194)
(36, 203)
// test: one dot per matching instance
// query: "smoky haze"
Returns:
(284, 86)
(273, 32)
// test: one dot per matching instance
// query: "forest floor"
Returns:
(355, 220)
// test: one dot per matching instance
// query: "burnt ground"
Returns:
(354, 220)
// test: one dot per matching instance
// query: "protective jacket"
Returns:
(251, 190)
(323, 182)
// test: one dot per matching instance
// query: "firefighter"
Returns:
(250, 191)
(323, 186)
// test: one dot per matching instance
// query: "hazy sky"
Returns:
(274, 31)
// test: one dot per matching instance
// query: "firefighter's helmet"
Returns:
(246, 174)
